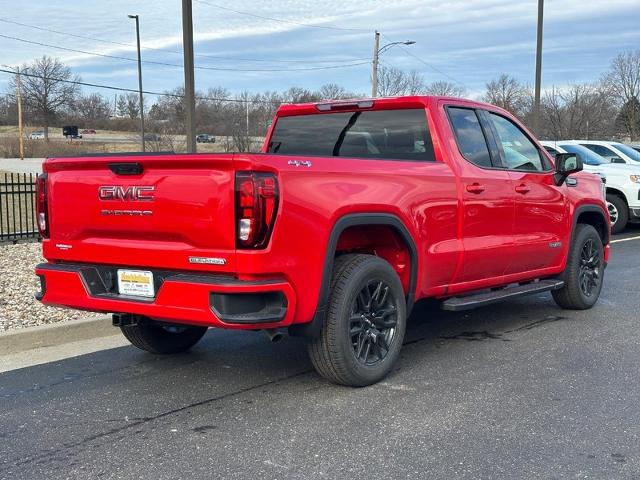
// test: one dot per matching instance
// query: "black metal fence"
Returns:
(17, 206)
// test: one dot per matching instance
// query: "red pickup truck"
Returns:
(353, 211)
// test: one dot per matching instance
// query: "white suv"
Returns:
(37, 135)
(614, 152)
(622, 182)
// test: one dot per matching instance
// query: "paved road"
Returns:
(518, 390)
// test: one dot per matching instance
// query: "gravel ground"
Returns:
(18, 284)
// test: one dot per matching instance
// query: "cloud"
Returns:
(471, 41)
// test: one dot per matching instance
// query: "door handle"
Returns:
(475, 188)
(522, 188)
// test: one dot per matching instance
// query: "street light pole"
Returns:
(374, 73)
(536, 100)
(376, 57)
(139, 80)
(189, 77)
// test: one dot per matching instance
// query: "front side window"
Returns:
(519, 152)
(383, 134)
(469, 136)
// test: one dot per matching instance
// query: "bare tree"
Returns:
(508, 93)
(445, 89)
(578, 111)
(129, 105)
(237, 117)
(393, 82)
(300, 95)
(91, 108)
(415, 83)
(47, 89)
(624, 79)
(628, 119)
(332, 91)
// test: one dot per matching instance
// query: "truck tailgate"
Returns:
(177, 212)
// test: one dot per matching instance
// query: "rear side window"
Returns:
(600, 150)
(469, 135)
(384, 134)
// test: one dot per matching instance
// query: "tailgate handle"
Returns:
(129, 168)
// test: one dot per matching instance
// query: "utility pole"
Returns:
(189, 80)
(140, 80)
(536, 100)
(376, 56)
(20, 128)
(374, 73)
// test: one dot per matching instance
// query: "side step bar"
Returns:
(456, 304)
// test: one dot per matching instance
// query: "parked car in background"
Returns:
(615, 152)
(205, 138)
(70, 132)
(622, 182)
(37, 135)
(152, 137)
(88, 131)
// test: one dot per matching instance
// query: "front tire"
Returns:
(365, 324)
(163, 339)
(584, 272)
(618, 212)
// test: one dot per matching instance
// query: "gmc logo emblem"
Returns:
(132, 193)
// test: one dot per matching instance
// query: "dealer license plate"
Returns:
(135, 283)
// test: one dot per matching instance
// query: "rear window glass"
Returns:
(384, 134)
(469, 136)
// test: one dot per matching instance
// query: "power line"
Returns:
(131, 90)
(130, 45)
(175, 65)
(281, 20)
(411, 54)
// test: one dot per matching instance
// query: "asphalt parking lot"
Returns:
(517, 390)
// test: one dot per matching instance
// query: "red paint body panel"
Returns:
(464, 240)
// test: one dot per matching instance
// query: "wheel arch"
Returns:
(592, 215)
(617, 192)
(312, 329)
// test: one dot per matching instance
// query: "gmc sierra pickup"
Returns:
(353, 211)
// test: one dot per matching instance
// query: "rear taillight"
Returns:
(256, 206)
(42, 205)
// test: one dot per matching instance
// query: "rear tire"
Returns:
(584, 272)
(163, 339)
(619, 213)
(363, 331)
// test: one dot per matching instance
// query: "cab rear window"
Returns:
(383, 134)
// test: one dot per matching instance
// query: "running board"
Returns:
(456, 304)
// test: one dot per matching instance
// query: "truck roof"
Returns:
(378, 103)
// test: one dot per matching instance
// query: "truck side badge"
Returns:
(300, 163)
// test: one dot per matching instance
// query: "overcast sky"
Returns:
(465, 41)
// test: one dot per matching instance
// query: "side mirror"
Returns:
(616, 160)
(566, 164)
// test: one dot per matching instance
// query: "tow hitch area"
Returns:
(126, 320)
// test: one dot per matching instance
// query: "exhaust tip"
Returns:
(274, 335)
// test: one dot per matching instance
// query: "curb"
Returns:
(57, 334)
